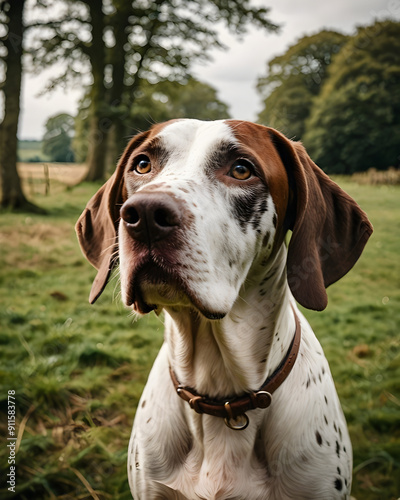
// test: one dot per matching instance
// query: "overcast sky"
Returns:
(234, 72)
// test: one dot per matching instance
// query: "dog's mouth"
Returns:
(153, 286)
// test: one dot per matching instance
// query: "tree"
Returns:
(11, 36)
(123, 43)
(166, 100)
(81, 129)
(355, 121)
(58, 137)
(156, 103)
(294, 79)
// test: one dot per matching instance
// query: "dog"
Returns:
(240, 402)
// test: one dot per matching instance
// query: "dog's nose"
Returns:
(150, 217)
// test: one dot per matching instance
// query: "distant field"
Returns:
(39, 178)
(78, 370)
(31, 151)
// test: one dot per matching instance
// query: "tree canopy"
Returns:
(166, 100)
(294, 78)
(340, 95)
(355, 120)
(157, 103)
(58, 137)
(117, 45)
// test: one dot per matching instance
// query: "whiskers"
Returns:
(116, 277)
(134, 316)
(113, 244)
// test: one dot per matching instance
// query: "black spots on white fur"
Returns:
(137, 462)
(326, 399)
(274, 220)
(262, 208)
(338, 471)
(311, 378)
(304, 458)
(319, 440)
(338, 484)
(259, 212)
(266, 238)
(326, 420)
(243, 207)
(248, 207)
(269, 275)
(338, 430)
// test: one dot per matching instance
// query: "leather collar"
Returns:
(233, 410)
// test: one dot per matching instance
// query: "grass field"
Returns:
(31, 151)
(78, 370)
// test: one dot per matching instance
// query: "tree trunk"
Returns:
(12, 194)
(99, 122)
(97, 149)
(119, 104)
(121, 95)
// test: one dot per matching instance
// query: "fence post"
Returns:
(31, 184)
(46, 179)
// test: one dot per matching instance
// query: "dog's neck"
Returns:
(220, 358)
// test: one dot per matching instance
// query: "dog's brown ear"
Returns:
(329, 229)
(97, 227)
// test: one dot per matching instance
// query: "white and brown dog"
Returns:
(240, 403)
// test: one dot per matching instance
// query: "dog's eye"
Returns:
(142, 165)
(241, 170)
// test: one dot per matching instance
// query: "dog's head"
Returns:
(193, 204)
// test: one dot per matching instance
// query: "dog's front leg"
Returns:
(160, 439)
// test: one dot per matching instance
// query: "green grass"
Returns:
(78, 370)
(360, 334)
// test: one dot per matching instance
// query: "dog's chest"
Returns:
(224, 469)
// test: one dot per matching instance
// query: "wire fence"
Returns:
(42, 178)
